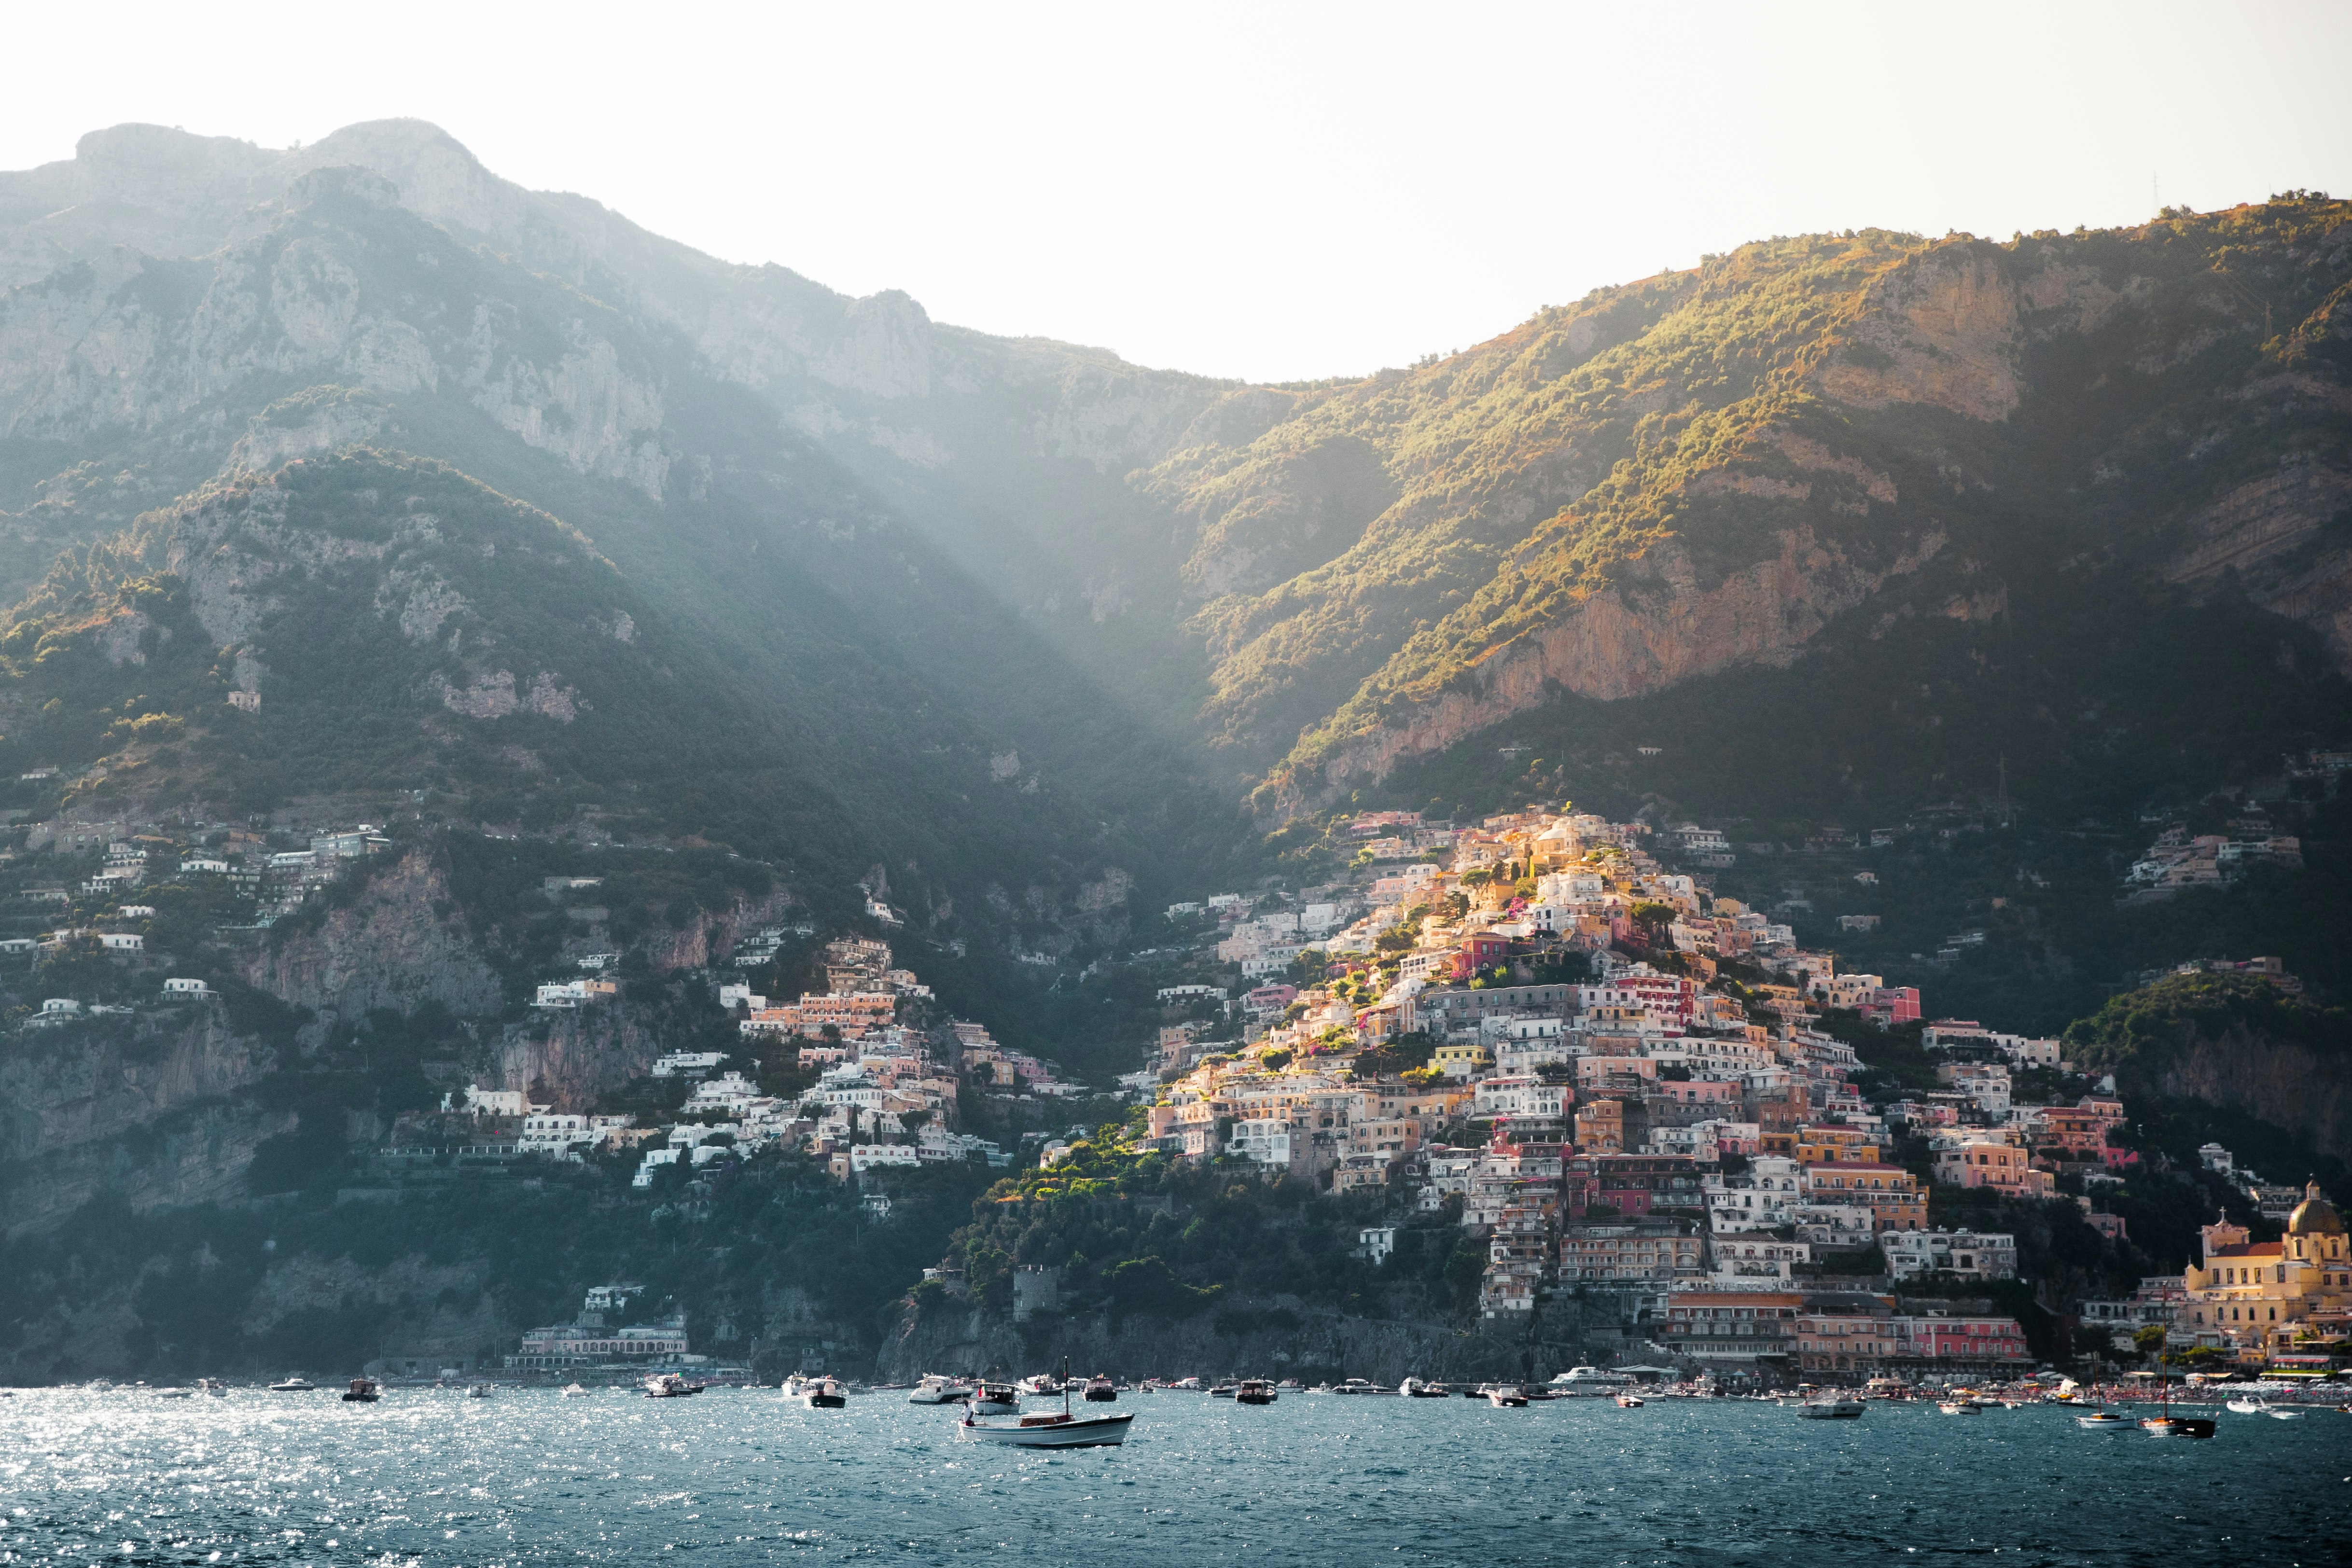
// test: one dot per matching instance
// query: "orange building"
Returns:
(1891, 1192)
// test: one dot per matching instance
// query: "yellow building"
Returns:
(2257, 1294)
(1460, 1060)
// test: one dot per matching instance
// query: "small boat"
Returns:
(1326, 1388)
(2104, 1421)
(574, 1391)
(1414, 1388)
(1183, 1386)
(1290, 1383)
(1043, 1386)
(995, 1398)
(1222, 1391)
(362, 1391)
(1958, 1406)
(212, 1388)
(1359, 1385)
(2167, 1424)
(1056, 1430)
(1254, 1390)
(1836, 1408)
(671, 1386)
(1101, 1390)
(477, 1391)
(298, 1384)
(1634, 1402)
(936, 1389)
(824, 1393)
(1503, 1398)
(1059, 1429)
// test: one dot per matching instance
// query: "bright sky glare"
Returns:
(1260, 190)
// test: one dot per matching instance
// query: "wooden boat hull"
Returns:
(1084, 1432)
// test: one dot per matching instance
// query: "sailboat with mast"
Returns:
(2167, 1424)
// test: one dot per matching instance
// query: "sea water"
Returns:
(428, 1477)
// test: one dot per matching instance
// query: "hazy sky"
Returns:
(1254, 190)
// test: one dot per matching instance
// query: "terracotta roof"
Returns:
(2249, 1249)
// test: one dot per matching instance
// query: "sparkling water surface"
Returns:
(428, 1477)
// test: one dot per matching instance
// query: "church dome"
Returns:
(2314, 1215)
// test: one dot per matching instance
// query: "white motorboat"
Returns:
(1634, 1402)
(298, 1384)
(936, 1389)
(995, 1398)
(1588, 1381)
(2102, 1421)
(1505, 1397)
(1254, 1390)
(1039, 1385)
(1101, 1390)
(574, 1391)
(823, 1394)
(1958, 1406)
(1837, 1407)
(477, 1391)
(671, 1386)
(212, 1388)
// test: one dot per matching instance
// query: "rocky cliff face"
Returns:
(400, 944)
(153, 1114)
(2288, 1084)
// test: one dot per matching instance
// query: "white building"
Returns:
(1519, 1096)
(486, 1101)
(1968, 1254)
(1262, 1140)
(688, 1064)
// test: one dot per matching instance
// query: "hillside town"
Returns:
(1534, 1027)
(1633, 1091)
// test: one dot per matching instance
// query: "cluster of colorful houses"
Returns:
(885, 1093)
(1652, 1132)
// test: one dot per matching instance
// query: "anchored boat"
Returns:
(937, 1389)
(362, 1391)
(2167, 1424)
(1254, 1390)
(1059, 1429)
